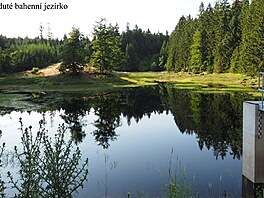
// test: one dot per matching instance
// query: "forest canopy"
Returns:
(223, 38)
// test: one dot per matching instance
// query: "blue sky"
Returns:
(157, 15)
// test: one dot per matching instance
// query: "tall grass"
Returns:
(177, 186)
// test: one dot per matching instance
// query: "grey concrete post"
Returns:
(253, 143)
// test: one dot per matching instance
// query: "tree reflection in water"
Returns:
(74, 111)
(216, 119)
(108, 120)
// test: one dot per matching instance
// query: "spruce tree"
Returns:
(106, 45)
(179, 47)
(163, 56)
(236, 34)
(131, 58)
(73, 56)
(252, 46)
(196, 55)
(208, 38)
(222, 47)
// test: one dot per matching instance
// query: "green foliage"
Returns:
(234, 65)
(60, 170)
(35, 70)
(196, 55)
(206, 27)
(4, 61)
(231, 39)
(150, 63)
(179, 49)
(29, 160)
(73, 55)
(25, 57)
(20, 54)
(48, 167)
(141, 48)
(177, 188)
(163, 55)
(222, 49)
(235, 26)
(106, 45)
(252, 45)
(132, 59)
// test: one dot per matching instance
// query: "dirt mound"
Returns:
(51, 70)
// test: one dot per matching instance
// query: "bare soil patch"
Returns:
(51, 70)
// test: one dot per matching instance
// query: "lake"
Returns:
(137, 138)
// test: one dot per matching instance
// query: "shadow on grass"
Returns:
(63, 82)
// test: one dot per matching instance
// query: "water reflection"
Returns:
(108, 113)
(211, 123)
(216, 119)
(75, 110)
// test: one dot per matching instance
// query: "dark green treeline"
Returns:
(142, 50)
(20, 54)
(139, 50)
(223, 38)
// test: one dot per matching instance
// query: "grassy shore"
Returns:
(95, 83)
(198, 82)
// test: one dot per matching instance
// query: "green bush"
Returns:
(48, 167)
(35, 70)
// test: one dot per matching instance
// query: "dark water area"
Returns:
(135, 138)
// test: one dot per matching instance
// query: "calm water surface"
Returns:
(135, 137)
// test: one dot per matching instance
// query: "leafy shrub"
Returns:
(35, 70)
(48, 167)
